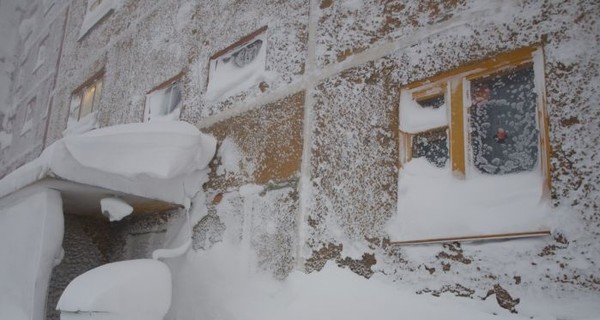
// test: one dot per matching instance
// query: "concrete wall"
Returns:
(311, 159)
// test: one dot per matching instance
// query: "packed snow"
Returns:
(414, 118)
(133, 290)
(223, 283)
(31, 232)
(432, 203)
(128, 158)
(115, 208)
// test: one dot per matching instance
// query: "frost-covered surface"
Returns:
(347, 59)
(31, 231)
(133, 289)
(432, 203)
(116, 158)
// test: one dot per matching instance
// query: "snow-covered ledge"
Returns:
(160, 161)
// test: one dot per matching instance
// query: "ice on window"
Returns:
(502, 121)
(238, 69)
(164, 104)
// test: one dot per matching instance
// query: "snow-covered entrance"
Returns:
(150, 167)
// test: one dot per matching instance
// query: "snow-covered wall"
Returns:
(308, 159)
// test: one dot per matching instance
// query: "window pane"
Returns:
(504, 134)
(433, 145)
(97, 94)
(88, 100)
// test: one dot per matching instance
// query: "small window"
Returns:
(28, 121)
(41, 58)
(164, 103)
(96, 10)
(86, 99)
(238, 67)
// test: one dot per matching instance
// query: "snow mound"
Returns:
(134, 289)
(31, 232)
(434, 204)
(154, 160)
(162, 150)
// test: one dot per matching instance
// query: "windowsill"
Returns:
(489, 237)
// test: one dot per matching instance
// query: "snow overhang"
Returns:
(152, 167)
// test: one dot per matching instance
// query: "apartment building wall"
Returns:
(307, 169)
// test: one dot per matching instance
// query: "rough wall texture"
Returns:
(307, 167)
(87, 244)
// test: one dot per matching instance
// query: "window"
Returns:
(27, 123)
(164, 102)
(41, 58)
(86, 98)
(475, 141)
(492, 112)
(238, 67)
(96, 10)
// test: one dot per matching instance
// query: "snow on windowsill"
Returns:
(414, 118)
(433, 204)
(154, 160)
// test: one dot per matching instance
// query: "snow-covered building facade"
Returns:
(451, 146)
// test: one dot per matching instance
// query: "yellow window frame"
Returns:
(454, 85)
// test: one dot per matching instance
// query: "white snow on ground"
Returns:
(31, 231)
(222, 284)
(133, 290)
(129, 158)
(434, 204)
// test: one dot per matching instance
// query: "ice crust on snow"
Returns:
(129, 158)
(133, 289)
(31, 232)
(432, 203)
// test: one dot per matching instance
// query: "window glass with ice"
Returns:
(502, 122)
(164, 104)
(238, 69)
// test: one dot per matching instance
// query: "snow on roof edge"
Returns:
(150, 160)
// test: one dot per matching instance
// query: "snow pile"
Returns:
(31, 231)
(164, 150)
(115, 209)
(134, 290)
(129, 158)
(222, 284)
(434, 204)
(415, 118)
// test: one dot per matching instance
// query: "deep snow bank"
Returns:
(31, 232)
